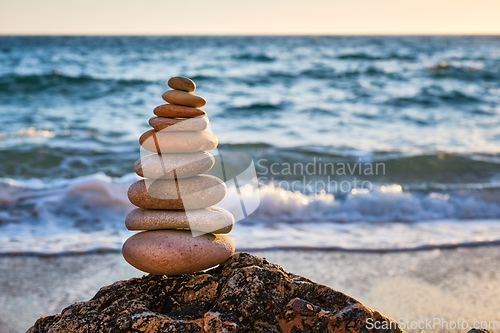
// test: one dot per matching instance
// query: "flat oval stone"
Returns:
(197, 124)
(175, 252)
(172, 166)
(178, 142)
(183, 194)
(183, 98)
(208, 220)
(182, 83)
(178, 111)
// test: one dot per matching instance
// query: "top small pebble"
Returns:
(182, 83)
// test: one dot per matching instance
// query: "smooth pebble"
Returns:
(182, 83)
(178, 142)
(172, 166)
(197, 124)
(178, 111)
(212, 219)
(189, 193)
(175, 252)
(183, 98)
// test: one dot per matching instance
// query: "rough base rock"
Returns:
(243, 294)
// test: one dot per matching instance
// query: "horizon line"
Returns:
(486, 34)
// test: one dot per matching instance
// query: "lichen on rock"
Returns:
(243, 294)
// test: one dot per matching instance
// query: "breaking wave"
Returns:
(86, 214)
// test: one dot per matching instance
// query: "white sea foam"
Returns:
(29, 132)
(383, 204)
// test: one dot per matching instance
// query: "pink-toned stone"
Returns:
(184, 194)
(176, 252)
(212, 219)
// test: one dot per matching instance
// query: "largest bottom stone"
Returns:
(175, 252)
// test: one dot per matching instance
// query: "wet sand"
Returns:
(461, 284)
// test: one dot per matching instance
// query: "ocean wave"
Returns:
(401, 167)
(325, 73)
(467, 73)
(441, 168)
(383, 204)
(50, 162)
(61, 216)
(254, 57)
(199, 77)
(331, 73)
(434, 97)
(366, 56)
(47, 161)
(90, 187)
(57, 82)
(256, 108)
(47, 217)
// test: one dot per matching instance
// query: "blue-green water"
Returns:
(72, 109)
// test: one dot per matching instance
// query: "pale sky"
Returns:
(254, 17)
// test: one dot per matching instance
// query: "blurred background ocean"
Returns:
(72, 109)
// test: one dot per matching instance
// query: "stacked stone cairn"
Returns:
(182, 231)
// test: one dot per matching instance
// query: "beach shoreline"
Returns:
(453, 284)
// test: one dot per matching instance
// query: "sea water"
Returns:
(426, 110)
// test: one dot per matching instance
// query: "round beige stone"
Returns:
(172, 166)
(207, 220)
(178, 142)
(183, 194)
(182, 83)
(176, 252)
(183, 98)
(178, 111)
(197, 124)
